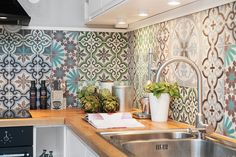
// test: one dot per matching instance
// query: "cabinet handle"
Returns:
(14, 155)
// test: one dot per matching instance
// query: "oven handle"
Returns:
(14, 155)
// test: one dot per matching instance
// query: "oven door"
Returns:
(16, 152)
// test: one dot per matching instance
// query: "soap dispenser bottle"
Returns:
(43, 95)
(33, 96)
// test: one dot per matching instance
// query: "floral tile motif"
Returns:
(184, 109)
(21, 81)
(116, 42)
(39, 41)
(202, 37)
(64, 62)
(229, 126)
(230, 19)
(58, 55)
(90, 41)
(10, 42)
(87, 56)
(90, 69)
(65, 55)
(131, 63)
(73, 78)
(141, 42)
(39, 67)
(185, 42)
(213, 66)
(103, 56)
(22, 106)
(24, 58)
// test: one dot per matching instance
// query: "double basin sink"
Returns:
(168, 143)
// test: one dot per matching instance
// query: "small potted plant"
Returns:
(160, 94)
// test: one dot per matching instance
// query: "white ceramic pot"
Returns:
(159, 107)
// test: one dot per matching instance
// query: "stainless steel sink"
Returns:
(167, 143)
(178, 148)
(125, 136)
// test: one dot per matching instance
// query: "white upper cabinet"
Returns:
(94, 8)
(127, 13)
(112, 12)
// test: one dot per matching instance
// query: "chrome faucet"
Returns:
(199, 122)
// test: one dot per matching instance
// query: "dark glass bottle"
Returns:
(33, 96)
(43, 95)
(50, 154)
(44, 153)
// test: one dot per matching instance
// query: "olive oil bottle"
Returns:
(33, 96)
(43, 95)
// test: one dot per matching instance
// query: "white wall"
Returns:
(55, 13)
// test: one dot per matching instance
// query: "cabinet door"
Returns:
(76, 147)
(90, 154)
(51, 138)
(108, 4)
(94, 6)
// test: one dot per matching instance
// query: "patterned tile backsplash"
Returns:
(58, 55)
(203, 37)
(88, 56)
(25, 56)
(229, 128)
(208, 38)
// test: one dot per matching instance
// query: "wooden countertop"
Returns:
(42, 117)
(73, 119)
(89, 134)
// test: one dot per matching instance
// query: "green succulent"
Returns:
(157, 88)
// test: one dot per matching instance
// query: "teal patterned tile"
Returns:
(73, 77)
(64, 62)
(10, 42)
(62, 55)
(229, 124)
(58, 54)
(39, 41)
(228, 128)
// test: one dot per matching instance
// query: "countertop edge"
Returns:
(73, 120)
(89, 137)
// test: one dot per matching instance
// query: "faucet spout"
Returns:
(199, 123)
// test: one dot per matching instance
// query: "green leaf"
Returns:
(157, 88)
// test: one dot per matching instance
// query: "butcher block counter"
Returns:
(72, 118)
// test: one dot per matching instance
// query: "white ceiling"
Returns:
(129, 11)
